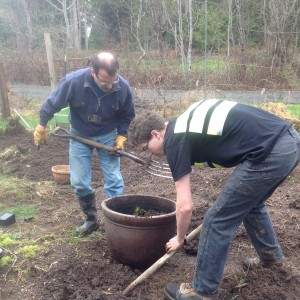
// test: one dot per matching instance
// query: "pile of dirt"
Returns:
(68, 268)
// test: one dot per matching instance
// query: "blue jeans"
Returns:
(242, 200)
(80, 156)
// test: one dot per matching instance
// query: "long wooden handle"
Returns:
(67, 134)
(158, 264)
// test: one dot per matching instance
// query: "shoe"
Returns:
(256, 263)
(183, 291)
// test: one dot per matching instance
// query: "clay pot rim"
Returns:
(56, 169)
(115, 216)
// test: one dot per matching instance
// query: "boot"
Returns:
(252, 263)
(88, 206)
(183, 291)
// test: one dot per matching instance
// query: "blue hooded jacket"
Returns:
(92, 112)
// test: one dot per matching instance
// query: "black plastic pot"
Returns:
(138, 241)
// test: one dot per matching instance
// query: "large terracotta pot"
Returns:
(138, 241)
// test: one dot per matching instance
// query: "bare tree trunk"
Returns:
(189, 53)
(86, 34)
(64, 10)
(75, 25)
(176, 43)
(181, 35)
(17, 26)
(266, 36)
(67, 22)
(27, 8)
(138, 24)
(242, 39)
(229, 27)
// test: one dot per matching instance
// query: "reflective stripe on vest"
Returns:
(205, 116)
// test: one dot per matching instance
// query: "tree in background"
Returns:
(140, 27)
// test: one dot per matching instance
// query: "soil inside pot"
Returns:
(140, 212)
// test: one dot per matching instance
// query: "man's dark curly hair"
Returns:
(143, 125)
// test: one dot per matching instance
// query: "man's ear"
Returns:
(155, 133)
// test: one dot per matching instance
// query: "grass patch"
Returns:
(24, 211)
(14, 188)
(294, 110)
(3, 124)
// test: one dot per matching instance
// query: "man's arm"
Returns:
(184, 210)
(55, 102)
(126, 112)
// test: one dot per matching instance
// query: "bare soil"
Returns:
(70, 268)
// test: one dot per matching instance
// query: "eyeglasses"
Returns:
(107, 82)
(145, 148)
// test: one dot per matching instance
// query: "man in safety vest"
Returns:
(263, 148)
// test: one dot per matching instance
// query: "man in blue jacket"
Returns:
(263, 148)
(101, 109)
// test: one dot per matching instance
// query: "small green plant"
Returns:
(7, 240)
(139, 212)
(5, 261)
(75, 238)
(241, 283)
(29, 251)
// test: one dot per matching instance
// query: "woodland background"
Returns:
(173, 44)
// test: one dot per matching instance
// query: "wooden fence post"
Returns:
(3, 94)
(50, 60)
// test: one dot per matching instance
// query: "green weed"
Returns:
(29, 251)
(5, 261)
(7, 240)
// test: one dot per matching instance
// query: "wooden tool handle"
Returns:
(69, 135)
(158, 264)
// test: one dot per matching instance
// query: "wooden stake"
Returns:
(50, 60)
(4, 104)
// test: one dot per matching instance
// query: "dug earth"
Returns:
(68, 268)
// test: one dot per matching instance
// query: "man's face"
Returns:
(155, 145)
(104, 81)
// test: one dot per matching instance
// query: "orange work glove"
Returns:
(120, 142)
(39, 136)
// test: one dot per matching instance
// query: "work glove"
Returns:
(120, 142)
(39, 135)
